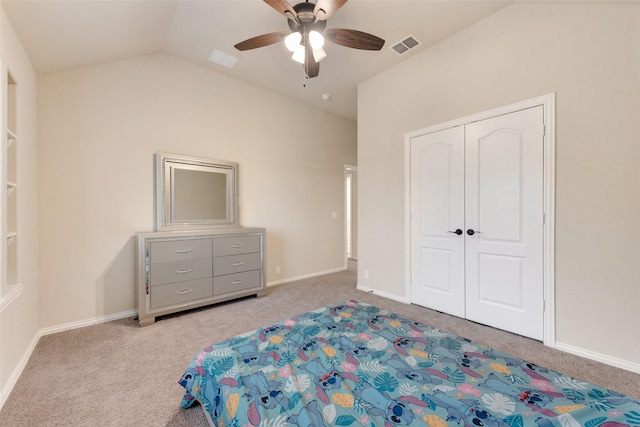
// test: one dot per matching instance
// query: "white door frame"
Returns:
(347, 209)
(548, 104)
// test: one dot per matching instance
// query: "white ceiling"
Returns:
(62, 35)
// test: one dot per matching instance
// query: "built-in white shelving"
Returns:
(10, 276)
(11, 186)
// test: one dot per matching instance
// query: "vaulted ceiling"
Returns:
(63, 35)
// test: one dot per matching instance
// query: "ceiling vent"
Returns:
(223, 59)
(408, 43)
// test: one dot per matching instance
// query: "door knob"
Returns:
(471, 232)
(458, 232)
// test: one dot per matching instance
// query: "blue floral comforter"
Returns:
(353, 364)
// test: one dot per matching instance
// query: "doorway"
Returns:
(351, 215)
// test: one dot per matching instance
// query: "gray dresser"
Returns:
(179, 270)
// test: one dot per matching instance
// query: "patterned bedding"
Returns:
(353, 364)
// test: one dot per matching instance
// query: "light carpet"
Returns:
(118, 374)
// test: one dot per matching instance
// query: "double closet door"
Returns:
(477, 221)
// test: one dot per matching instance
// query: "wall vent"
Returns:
(406, 44)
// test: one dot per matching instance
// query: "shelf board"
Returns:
(11, 137)
(10, 236)
(13, 291)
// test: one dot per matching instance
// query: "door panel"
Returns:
(494, 272)
(503, 193)
(437, 262)
(437, 206)
(498, 180)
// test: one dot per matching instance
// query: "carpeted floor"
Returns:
(118, 374)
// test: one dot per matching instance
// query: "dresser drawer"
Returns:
(236, 282)
(236, 264)
(179, 271)
(179, 293)
(236, 245)
(178, 250)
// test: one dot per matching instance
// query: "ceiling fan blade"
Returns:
(326, 8)
(283, 7)
(311, 67)
(261, 41)
(354, 39)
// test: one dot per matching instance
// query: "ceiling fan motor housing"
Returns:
(306, 20)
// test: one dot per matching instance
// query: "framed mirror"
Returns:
(195, 193)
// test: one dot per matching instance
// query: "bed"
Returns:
(354, 364)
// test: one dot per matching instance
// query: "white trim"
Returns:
(548, 104)
(15, 375)
(305, 276)
(87, 322)
(394, 297)
(599, 357)
(347, 207)
(13, 292)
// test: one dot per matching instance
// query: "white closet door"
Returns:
(504, 222)
(485, 179)
(437, 211)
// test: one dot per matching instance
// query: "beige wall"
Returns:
(589, 56)
(19, 320)
(99, 128)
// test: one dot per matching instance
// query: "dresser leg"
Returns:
(147, 321)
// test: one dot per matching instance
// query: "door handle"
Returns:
(471, 232)
(458, 232)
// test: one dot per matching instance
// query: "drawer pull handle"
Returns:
(237, 282)
(236, 264)
(183, 250)
(186, 270)
(184, 291)
(238, 245)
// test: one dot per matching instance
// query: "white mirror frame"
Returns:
(164, 164)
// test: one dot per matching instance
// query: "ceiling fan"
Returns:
(308, 22)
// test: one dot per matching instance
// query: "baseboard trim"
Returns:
(305, 276)
(88, 322)
(382, 294)
(13, 379)
(599, 357)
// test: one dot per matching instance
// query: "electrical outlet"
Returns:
(366, 274)
(277, 269)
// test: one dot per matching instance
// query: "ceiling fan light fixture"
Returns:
(316, 40)
(299, 54)
(292, 41)
(307, 24)
(319, 54)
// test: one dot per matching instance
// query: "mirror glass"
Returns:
(193, 192)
